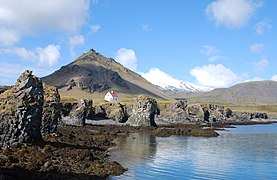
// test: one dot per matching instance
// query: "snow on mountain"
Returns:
(168, 83)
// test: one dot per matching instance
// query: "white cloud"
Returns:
(274, 77)
(95, 28)
(49, 55)
(25, 54)
(254, 79)
(28, 16)
(209, 50)
(8, 37)
(231, 13)
(214, 75)
(127, 57)
(261, 65)
(262, 26)
(256, 48)
(145, 27)
(158, 77)
(74, 41)
(166, 81)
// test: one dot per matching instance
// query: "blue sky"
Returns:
(214, 43)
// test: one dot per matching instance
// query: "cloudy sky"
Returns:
(214, 43)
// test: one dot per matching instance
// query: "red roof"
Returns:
(113, 94)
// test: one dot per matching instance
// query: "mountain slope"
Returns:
(257, 92)
(92, 75)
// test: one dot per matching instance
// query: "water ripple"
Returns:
(238, 154)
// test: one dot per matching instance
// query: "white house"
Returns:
(111, 96)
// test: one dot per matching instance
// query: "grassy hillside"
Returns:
(250, 93)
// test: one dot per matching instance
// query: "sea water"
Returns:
(245, 152)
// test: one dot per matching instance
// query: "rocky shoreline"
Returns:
(76, 153)
(80, 152)
(42, 138)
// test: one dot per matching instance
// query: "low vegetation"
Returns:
(68, 99)
(270, 109)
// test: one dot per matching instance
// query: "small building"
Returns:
(111, 96)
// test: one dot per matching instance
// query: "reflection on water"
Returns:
(135, 149)
(240, 153)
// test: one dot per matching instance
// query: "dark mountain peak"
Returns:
(91, 55)
(94, 58)
(95, 73)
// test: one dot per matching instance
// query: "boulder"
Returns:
(258, 115)
(206, 114)
(195, 111)
(143, 113)
(116, 112)
(90, 109)
(183, 113)
(100, 112)
(247, 116)
(51, 115)
(79, 113)
(218, 112)
(21, 111)
(67, 108)
(173, 113)
(179, 105)
(228, 113)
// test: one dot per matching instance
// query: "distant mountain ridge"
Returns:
(256, 92)
(92, 75)
(183, 86)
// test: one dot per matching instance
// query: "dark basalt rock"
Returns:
(143, 113)
(183, 113)
(115, 111)
(51, 115)
(66, 108)
(79, 113)
(173, 113)
(195, 111)
(258, 115)
(21, 111)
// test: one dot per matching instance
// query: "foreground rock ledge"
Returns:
(77, 153)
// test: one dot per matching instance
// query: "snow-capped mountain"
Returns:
(167, 83)
(183, 86)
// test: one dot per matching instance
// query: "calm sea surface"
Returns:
(245, 152)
